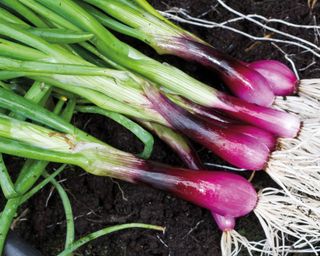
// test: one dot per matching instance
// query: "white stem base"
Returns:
(307, 142)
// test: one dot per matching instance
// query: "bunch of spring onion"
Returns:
(240, 144)
(128, 94)
(224, 194)
(258, 82)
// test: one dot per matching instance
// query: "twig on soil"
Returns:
(193, 228)
(49, 196)
(75, 218)
(20, 218)
(52, 189)
(121, 190)
(161, 241)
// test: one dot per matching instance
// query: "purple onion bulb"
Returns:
(225, 223)
(236, 148)
(244, 82)
(280, 123)
(281, 79)
(224, 193)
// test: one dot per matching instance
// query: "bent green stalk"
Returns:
(29, 174)
(6, 183)
(68, 211)
(82, 241)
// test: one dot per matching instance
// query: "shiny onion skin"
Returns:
(244, 82)
(238, 149)
(225, 223)
(280, 123)
(281, 79)
(261, 135)
(224, 193)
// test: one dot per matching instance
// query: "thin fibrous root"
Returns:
(296, 165)
(310, 89)
(232, 243)
(288, 225)
(304, 107)
(299, 173)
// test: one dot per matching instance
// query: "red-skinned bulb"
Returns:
(236, 148)
(225, 223)
(224, 193)
(244, 82)
(281, 79)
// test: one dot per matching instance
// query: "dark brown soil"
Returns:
(100, 202)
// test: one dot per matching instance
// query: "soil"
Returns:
(99, 202)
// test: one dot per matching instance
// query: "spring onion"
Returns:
(292, 164)
(165, 75)
(227, 143)
(280, 123)
(167, 38)
(223, 193)
(249, 81)
(140, 107)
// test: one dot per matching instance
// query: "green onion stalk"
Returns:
(173, 79)
(20, 191)
(73, 16)
(128, 94)
(52, 35)
(223, 193)
(123, 92)
(255, 82)
(32, 169)
(108, 230)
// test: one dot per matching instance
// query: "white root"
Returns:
(287, 221)
(288, 226)
(296, 165)
(302, 106)
(310, 89)
(232, 243)
(303, 177)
